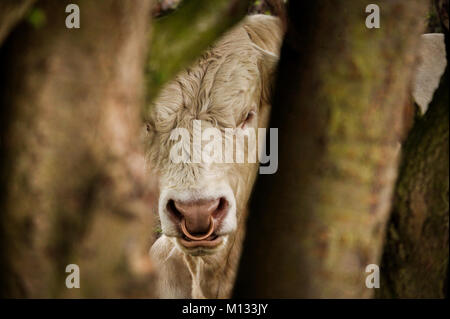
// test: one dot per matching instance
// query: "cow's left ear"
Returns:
(265, 33)
(268, 61)
(267, 64)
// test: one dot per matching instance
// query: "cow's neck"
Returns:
(213, 276)
(185, 276)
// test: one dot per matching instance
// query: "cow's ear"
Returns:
(267, 64)
(268, 61)
(265, 33)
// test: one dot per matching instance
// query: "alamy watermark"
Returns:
(373, 279)
(73, 279)
(73, 18)
(211, 146)
(373, 19)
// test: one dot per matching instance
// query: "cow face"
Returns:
(222, 98)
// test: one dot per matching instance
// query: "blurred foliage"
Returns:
(36, 18)
(433, 22)
(437, 19)
(268, 7)
(259, 6)
(180, 37)
(164, 7)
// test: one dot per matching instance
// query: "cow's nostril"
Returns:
(173, 211)
(197, 214)
(221, 209)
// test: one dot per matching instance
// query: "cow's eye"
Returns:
(250, 115)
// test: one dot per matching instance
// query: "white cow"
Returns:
(203, 206)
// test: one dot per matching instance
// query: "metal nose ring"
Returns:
(188, 235)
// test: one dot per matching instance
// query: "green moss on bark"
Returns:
(318, 222)
(415, 260)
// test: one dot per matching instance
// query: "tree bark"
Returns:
(11, 12)
(415, 257)
(319, 221)
(73, 182)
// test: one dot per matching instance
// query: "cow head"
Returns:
(202, 203)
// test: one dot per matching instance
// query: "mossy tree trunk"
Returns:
(341, 90)
(73, 182)
(415, 259)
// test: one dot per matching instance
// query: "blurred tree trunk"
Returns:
(73, 183)
(415, 257)
(341, 90)
(11, 12)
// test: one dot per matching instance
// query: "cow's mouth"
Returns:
(206, 240)
(209, 242)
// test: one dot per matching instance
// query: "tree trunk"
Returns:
(319, 221)
(73, 182)
(415, 258)
(11, 12)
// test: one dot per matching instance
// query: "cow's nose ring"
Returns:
(190, 236)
